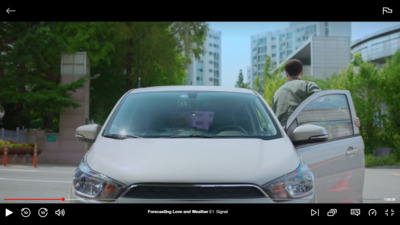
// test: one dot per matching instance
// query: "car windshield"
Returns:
(197, 114)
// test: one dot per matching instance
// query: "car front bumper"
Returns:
(74, 198)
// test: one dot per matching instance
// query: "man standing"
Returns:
(293, 92)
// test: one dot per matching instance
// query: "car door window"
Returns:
(331, 112)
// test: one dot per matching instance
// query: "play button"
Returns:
(8, 212)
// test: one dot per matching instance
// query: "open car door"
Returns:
(338, 163)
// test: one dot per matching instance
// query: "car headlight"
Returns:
(296, 184)
(91, 184)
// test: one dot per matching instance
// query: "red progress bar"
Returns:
(34, 199)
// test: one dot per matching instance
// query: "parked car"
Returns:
(221, 145)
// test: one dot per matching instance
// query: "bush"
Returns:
(372, 161)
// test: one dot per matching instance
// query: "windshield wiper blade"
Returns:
(192, 135)
(121, 136)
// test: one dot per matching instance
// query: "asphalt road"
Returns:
(382, 185)
(25, 184)
(18, 183)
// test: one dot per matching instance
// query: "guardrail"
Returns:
(15, 136)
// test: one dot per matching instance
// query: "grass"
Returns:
(390, 160)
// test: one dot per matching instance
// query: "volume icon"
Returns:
(60, 212)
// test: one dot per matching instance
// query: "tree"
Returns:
(120, 54)
(389, 87)
(156, 53)
(240, 82)
(30, 81)
(370, 89)
(270, 82)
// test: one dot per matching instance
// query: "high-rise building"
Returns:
(323, 47)
(378, 46)
(207, 69)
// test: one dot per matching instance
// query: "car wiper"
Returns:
(192, 135)
(121, 136)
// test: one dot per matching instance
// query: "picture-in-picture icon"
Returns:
(332, 212)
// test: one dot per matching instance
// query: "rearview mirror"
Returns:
(87, 133)
(309, 133)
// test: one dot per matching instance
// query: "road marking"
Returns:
(28, 180)
(37, 170)
(19, 170)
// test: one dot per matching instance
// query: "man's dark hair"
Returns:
(294, 67)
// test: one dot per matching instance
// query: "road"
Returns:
(51, 182)
(44, 182)
(381, 185)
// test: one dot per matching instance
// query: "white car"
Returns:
(197, 144)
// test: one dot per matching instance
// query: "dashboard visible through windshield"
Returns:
(197, 114)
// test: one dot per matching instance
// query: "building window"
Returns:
(262, 49)
(216, 56)
(216, 82)
(281, 37)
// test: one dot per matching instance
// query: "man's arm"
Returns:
(312, 88)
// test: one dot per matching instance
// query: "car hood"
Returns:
(193, 160)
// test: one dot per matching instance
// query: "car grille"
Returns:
(190, 191)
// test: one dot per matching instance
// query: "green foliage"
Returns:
(272, 85)
(120, 53)
(269, 82)
(389, 88)
(10, 144)
(30, 80)
(372, 161)
(240, 82)
(376, 99)
(156, 53)
(375, 94)
(91, 37)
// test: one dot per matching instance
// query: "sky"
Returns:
(235, 42)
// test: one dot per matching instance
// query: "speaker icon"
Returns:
(60, 212)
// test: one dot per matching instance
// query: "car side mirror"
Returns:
(87, 133)
(309, 133)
